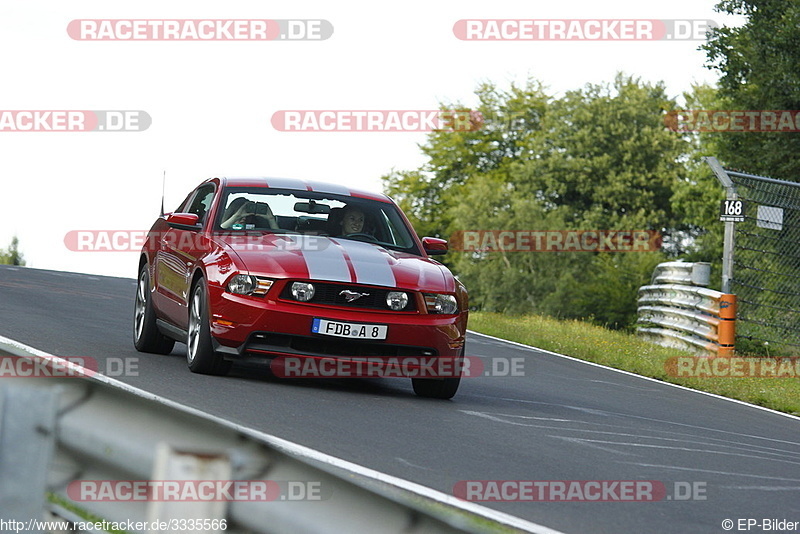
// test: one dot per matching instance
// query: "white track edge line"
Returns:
(573, 358)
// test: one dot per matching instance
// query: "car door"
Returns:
(179, 251)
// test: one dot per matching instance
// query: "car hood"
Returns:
(336, 260)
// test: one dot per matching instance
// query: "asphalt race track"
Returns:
(563, 420)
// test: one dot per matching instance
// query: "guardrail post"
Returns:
(701, 274)
(727, 325)
(187, 467)
(730, 234)
(27, 437)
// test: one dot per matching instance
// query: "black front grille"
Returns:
(327, 293)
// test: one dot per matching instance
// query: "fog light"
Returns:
(396, 300)
(302, 291)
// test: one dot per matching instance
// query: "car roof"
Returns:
(301, 185)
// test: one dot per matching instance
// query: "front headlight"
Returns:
(243, 284)
(444, 304)
(396, 300)
(247, 284)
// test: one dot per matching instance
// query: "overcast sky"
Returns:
(211, 102)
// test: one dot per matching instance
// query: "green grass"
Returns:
(628, 352)
(72, 507)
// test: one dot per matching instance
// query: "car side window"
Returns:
(185, 204)
(201, 202)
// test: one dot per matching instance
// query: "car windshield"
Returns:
(260, 209)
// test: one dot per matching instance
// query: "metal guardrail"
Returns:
(57, 431)
(679, 272)
(688, 317)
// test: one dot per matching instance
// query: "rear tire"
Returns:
(146, 336)
(200, 354)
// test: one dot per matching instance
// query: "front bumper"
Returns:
(247, 328)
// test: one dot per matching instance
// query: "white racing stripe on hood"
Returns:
(370, 263)
(324, 260)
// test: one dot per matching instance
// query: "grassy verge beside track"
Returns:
(628, 352)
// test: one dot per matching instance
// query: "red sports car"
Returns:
(286, 270)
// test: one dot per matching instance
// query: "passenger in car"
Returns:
(243, 211)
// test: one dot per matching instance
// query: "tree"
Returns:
(698, 194)
(759, 64)
(12, 255)
(599, 158)
(497, 137)
(607, 156)
(608, 163)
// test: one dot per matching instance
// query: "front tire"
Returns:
(200, 354)
(438, 388)
(146, 336)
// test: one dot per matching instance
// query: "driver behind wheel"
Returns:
(352, 221)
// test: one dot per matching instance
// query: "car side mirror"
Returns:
(434, 246)
(183, 221)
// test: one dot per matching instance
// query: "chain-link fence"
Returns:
(766, 261)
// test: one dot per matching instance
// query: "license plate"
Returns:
(351, 330)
